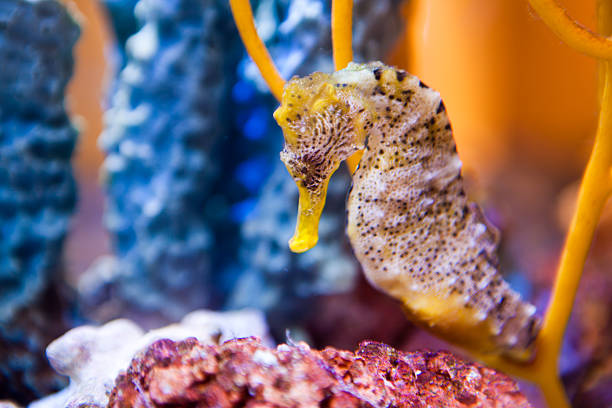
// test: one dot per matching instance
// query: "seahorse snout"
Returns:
(310, 207)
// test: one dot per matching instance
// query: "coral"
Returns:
(93, 356)
(165, 120)
(124, 23)
(243, 372)
(299, 42)
(36, 183)
(37, 189)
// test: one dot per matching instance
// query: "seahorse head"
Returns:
(323, 119)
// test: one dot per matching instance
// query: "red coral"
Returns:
(244, 373)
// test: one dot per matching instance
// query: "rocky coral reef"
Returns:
(245, 373)
(37, 188)
(93, 356)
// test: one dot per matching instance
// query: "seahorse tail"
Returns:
(514, 324)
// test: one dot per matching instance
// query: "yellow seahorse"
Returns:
(412, 228)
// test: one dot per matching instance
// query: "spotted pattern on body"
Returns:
(411, 225)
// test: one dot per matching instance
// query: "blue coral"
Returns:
(164, 125)
(124, 23)
(37, 188)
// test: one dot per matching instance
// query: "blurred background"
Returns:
(183, 203)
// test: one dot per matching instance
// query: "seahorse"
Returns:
(412, 228)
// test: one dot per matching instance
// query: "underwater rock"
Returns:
(298, 36)
(37, 188)
(243, 372)
(165, 120)
(93, 356)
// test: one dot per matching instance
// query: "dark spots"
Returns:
(377, 73)
(501, 303)
(378, 91)
(441, 108)
(400, 75)
(422, 85)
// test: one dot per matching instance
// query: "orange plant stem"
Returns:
(342, 46)
(570, 32)
(342, 32)
(243, 16)
(595, 190)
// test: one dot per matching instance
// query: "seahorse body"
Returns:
(412, 228)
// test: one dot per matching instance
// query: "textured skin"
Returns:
(411, 225)
(244, 373)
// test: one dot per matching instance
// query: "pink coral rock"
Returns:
(245, 373)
